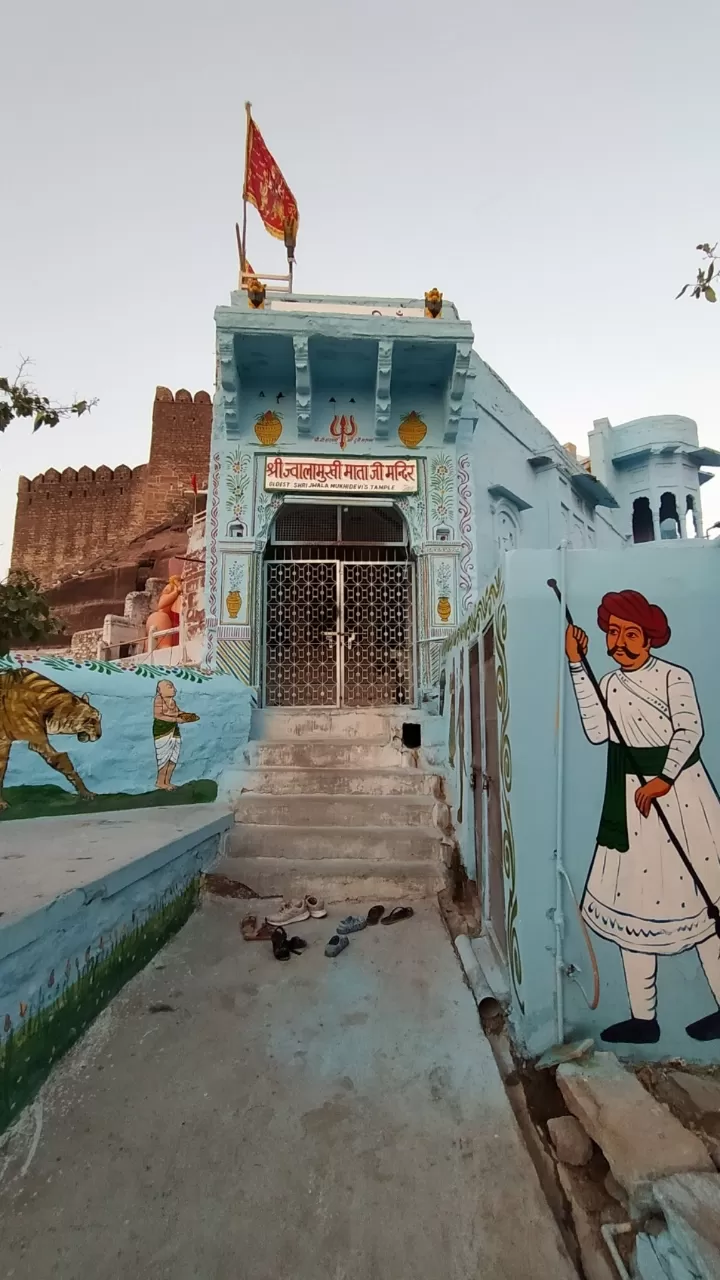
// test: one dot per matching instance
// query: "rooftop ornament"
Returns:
(433, 304)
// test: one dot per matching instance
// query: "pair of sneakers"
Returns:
(296, 910)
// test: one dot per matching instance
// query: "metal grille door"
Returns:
(377, 667)
(338, 633)
(301, 643)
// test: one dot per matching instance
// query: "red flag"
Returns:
(266, 188)
(194, 484)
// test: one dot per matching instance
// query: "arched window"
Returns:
(642, 521)
(236, 529)
(669, 511)
(692, 529)
(506, 527)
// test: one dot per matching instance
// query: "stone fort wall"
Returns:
(64, 523)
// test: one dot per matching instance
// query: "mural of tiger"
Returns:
(31, 707)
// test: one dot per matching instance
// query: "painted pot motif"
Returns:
(268, 427)
(412, 430)
(444, 609)
(233, 600)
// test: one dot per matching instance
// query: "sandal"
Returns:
(398, 913)
(297, 945)
(281, 950)
(253, 932)
(336, 945)
(351, 924)
(374, 915)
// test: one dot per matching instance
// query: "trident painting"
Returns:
(654, 881)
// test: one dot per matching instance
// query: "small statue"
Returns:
(433, 304)
(256, 294)
(165, 616)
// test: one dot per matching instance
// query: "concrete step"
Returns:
(362, 844)
(282, 724)
(366, 754)
(280, 781)
(335, 811)
(334, 879)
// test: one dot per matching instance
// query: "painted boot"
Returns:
(632, 1031)
(707, 1028)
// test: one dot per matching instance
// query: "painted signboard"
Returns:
(314, 475)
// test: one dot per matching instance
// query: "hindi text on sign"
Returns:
(315, 475)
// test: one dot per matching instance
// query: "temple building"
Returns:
(367, 471)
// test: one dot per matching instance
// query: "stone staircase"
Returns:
(331, 803)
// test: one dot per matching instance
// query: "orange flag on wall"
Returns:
(266, 188)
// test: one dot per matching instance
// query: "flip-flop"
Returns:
(253, 932)
(281, 950)
(297, 945)
(336, 945)
(351, 924)
(374, 915)
(398, 913)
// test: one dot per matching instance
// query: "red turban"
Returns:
(631, 606)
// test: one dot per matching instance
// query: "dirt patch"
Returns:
(222, 887)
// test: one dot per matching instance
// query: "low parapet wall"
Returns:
(87, 902)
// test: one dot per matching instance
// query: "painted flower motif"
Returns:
(236, 466)
(442, 470)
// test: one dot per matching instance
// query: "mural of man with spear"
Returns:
(654, 882)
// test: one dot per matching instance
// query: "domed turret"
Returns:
(655, 467)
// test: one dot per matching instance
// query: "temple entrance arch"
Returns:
(339, 607)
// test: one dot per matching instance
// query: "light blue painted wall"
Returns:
(682, 579)
(123, 758)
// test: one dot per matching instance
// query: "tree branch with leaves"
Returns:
(702, 287)
(19, 399)
(26, 618)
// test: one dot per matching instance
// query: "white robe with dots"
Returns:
(645, 899)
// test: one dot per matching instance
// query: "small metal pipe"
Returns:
(559, 919)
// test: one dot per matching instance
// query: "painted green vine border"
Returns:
(111, 668)
(492, 602)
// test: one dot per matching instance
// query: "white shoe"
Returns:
(316, 907)
(289, 913)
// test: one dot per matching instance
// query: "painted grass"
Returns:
(39, 1039)
(51, 801)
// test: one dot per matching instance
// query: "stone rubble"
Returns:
(571, 1143)
(640, 1137)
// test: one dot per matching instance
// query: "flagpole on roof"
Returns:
(243, 247)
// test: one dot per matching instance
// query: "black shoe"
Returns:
(633, 1031)
(707, 1028)
(281, 950)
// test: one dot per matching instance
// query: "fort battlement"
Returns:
(66, 521)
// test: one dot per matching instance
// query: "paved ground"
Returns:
(43, 858)
(316, 1120)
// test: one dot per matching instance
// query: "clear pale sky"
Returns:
(549, 164)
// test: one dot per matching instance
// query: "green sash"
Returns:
(621, 761)
(163, 727)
